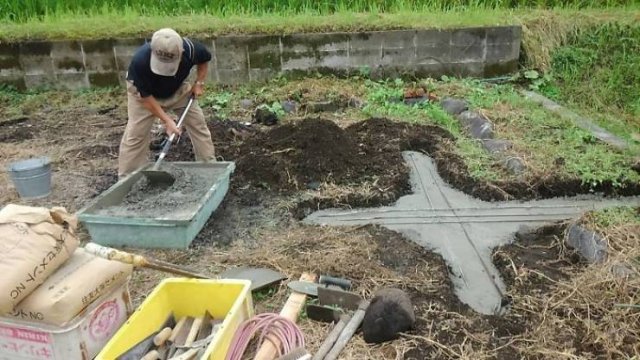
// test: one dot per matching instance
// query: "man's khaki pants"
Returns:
(134, 146)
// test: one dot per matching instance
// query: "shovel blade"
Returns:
(159, 178)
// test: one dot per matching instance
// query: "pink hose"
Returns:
(271, 327)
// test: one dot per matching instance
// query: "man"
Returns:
(158, 81)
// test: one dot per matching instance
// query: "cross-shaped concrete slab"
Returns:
(462, 229)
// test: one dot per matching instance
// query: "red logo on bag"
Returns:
(103, 320)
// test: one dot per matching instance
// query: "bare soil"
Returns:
(282, 173)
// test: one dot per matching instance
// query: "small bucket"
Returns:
(32, 177)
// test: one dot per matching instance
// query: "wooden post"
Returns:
(290, 311)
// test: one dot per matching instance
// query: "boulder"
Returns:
(389, 314)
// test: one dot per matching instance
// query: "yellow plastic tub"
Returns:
(228, 299)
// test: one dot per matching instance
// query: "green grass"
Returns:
(616, 216)
(599, 71)
(549, 144)
(24, 10)
(127, 22)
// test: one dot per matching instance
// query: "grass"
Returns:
(599, 70)
(548, 144)
(24, 10)
(613, 217)
(108, 23)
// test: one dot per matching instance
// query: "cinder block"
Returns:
(433, 55)
(433, 38)
(35, 48)
(466, 53)
(72, 81)
(466, 69)
(333, 59)
(233, 77)
(504, 34)
(365, 57)
(399, 39)
(231, 53)
(99, 55)
(468, 36)
(67, 57)
(261, 75)
(500, 68)
(43, 80)
(10, 60)
(315, 42)
(398, 56)
(502, 52)
(264, 52)
(98, 46)
(10, 49)
(124, 51)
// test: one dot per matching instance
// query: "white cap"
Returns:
(166, 52)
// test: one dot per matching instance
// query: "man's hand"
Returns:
(171, 128)
(198, 89)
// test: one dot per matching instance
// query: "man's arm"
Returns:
(198, 88)
(150, 103)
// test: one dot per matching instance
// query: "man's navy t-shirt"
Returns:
(159, 86)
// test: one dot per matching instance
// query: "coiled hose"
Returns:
(270, 326)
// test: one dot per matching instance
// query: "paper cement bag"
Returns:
(34, 242)
(80, 281)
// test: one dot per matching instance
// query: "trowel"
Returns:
(158, 177)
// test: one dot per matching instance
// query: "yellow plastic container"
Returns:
(228, 299)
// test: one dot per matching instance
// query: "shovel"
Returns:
(162, 178)
(259, 277)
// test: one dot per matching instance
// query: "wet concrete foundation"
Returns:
(462, 229)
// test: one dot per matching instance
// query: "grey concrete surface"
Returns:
(479, 52)
(462, 229)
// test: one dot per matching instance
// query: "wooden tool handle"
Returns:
(162, 336)
(290, 311)
(187, 355)
(151, 355)
(327, 344)
(116, 255)
(348, 331)
(193, 332)
(140, 261)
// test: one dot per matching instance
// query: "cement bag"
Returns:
(72, 288)
(34, 242)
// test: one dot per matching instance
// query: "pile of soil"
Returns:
(295, 156)
(305, 154)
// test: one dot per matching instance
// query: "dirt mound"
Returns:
(226, 135)
(294, 156)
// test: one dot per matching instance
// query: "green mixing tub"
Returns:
(165, 232)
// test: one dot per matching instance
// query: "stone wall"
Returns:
(477, 52)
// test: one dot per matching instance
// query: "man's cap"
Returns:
(166, 51)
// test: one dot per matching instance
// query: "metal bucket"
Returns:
(32, 177)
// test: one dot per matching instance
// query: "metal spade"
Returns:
(158, 177)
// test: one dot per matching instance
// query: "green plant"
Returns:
(263, 295)
(275, 107)
(218, 101)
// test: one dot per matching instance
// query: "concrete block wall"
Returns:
(477, 52)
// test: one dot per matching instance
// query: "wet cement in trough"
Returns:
(178, 202)
(462, 229)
